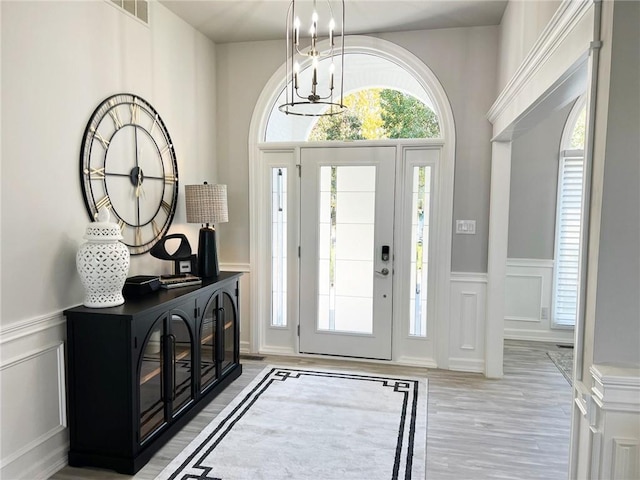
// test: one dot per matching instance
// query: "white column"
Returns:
(497, 261)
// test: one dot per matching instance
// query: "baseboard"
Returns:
(284, 351)
(245, 347)
(52, 464)
(417, 362)
(41, 462)
(466, 365)
(552, 336)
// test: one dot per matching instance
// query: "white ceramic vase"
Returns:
(103, 263)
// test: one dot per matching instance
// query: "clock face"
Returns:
(128, 165)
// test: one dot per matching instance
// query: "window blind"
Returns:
(567, 244)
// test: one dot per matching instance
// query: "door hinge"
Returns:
(196, 312)
(299, 167)
(298, 330)
(298, 252)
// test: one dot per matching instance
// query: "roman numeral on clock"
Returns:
(135, 112)
(116, 118)
(103, 202)
(103, 141)
(95, 173)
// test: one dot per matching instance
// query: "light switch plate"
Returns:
(466, 227)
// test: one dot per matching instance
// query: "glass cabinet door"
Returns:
(207, 346)
(181, 356)
(151, 383)
(228, 319)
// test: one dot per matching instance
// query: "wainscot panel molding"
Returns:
(467, 321)
(528, 302)
(610, 419)
(32, 374)
(235, 267)
(25, 328)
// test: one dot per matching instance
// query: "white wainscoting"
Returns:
(528, 296)
(33, 399)
(607, 424)
(467, 321)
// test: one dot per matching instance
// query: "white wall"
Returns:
(59, 61)
(522, 23)
(617, 328)
(456, 56)
(534, 184)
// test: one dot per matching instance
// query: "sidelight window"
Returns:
(279, 247)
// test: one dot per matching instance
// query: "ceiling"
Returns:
(225, 21)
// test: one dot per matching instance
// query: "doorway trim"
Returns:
(260, 117)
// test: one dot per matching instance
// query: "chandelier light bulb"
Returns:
(296, 31)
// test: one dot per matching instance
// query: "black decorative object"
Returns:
(208, 265)
(183, 252)
(207, 204)
(140, 285)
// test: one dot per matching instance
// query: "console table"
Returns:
(139, 372)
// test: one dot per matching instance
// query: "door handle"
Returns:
(384, 271)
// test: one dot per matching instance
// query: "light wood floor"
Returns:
(513, 428)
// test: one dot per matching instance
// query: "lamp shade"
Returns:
(206, 203)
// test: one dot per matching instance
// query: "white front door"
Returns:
(346, 256)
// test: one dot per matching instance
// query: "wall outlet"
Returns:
(466, 227)
(544, 313)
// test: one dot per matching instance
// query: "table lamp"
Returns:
(207, 205)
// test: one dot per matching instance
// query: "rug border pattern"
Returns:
(408, 387)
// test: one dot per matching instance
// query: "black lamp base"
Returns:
(207, 253)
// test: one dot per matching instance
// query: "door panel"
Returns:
(347, 198)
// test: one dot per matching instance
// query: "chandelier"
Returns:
(311, 83)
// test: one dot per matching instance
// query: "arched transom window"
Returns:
(384, 100)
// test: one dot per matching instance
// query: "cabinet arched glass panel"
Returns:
(181, 352)
(166, 367)
(151, 382)
(208, 346)
(217, 338)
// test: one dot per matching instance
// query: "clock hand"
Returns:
(139, 189)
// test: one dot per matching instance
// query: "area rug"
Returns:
(291, 423)
(563, 360)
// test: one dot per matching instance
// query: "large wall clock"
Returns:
(128, 164)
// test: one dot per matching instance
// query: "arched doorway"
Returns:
(278, 149)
